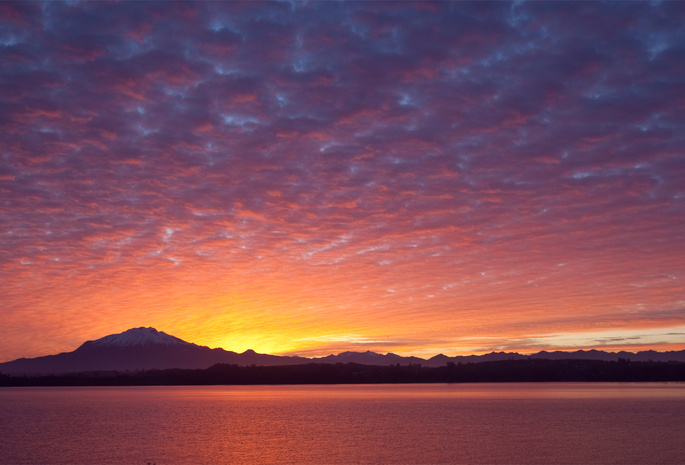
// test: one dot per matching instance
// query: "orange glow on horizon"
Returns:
(392, 184)
(310, 311)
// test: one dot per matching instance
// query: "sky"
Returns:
(316, 177)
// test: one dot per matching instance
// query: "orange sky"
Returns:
(362, 176)
(343, 300)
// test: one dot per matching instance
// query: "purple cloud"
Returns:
(439, 140)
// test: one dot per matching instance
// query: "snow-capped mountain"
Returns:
(138, 337)
(140, 349)
(146, 348)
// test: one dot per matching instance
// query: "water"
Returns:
(564, 423)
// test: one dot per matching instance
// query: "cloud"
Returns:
(458, 154)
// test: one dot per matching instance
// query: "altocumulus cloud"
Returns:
(466, 169)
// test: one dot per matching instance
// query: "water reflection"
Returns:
(445, 391)
(363, 424)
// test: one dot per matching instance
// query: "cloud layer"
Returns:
(306, 177)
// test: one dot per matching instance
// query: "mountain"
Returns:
(369, 358)
(643, 356)
(137, 337)
(147, 348)
(140, 349)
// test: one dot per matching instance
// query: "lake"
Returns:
(505, 423)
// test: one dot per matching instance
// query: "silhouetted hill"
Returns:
(147, 348)
(529, 370)
(139, 349)
(369, 358)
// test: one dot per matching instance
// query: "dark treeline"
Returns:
(531, 370)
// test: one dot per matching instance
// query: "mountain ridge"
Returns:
(138, 336)
(147, 348)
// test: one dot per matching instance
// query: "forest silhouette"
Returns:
(530, 370)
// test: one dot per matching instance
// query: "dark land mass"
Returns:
(140, 349)
(529, 370)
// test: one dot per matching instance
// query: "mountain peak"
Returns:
(138, 337)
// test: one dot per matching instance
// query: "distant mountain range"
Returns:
(147, 348)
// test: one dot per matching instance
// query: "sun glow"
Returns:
(437, 189)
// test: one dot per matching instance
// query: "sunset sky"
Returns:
(314, 177)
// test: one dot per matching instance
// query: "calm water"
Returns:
(565, 423)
